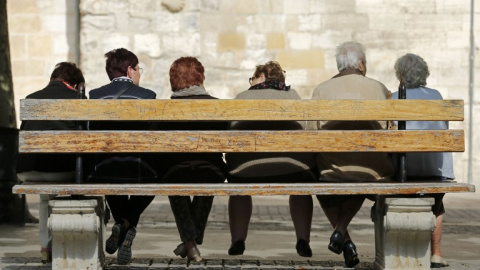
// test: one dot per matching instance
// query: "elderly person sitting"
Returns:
(191, 215)
(412, 71)
(268, 82)
(349, 83)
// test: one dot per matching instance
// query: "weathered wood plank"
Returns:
(374, 188)
(150, 110)
(242, 141)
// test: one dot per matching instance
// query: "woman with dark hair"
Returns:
(268, 82)
(63, 84)
(412, 71)
(124, 72)
(191, 215)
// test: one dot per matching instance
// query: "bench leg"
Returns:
(403, 231)
(76, 228)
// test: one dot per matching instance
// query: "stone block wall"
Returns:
(42, 33)
(231, 37)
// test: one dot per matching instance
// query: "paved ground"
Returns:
(270, 244)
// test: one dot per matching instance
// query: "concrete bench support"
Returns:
(77, 230)
(403, 231)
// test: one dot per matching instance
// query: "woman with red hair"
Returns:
(186, 80)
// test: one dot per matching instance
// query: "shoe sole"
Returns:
(124, 254)
(112, 242)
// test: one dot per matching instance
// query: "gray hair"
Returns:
(349, 55)
(411, 70)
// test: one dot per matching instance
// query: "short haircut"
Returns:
(349, 55)
(118, 61)
(272, 71)
(186, 72)
(411, 70)
(68, 72)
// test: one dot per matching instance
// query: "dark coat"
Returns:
(120, 167)
(49, 162)
(169, 161)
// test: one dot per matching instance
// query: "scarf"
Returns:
(348, 71)
(270, 85)
(194, 90)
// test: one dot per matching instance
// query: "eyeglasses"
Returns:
(140, 70)
(250, 80)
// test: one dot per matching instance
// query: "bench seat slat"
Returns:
(226, 110)
(375, 188)
(241, 141)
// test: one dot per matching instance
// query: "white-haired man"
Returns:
(349, 83)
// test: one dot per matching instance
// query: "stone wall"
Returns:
(231, 37)
(42, 33)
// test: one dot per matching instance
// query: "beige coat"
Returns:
(352, 166)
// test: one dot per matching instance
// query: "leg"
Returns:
(118, 205)
(181, 208)
(349, 209)
(437, 237)
(136, 206)
(239, 213)
(438, 210)
(301, 211)
(183, 217)
(200, 209)
(45, 236)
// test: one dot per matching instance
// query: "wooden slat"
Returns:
(36, 109)
(242, 141)
(375, 188)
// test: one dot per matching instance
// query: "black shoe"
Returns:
(124, 254)
(115, 238)
(336, 242)
(350, 254)
(237, 248)
(303, 248)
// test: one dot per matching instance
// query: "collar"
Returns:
(122, 79)
(194, 90)
(348, 71)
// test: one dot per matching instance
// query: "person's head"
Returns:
(351, 54)
(69, 73)
(186, 72)
(411, 70)
(270, 71)
(122, 62)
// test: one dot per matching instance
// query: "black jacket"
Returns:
(171, 161)
(49, 162)
(135, 167)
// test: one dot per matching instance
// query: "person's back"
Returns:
(246, 167)
(412, 71)
(123, 70)
(421, 165)
(352, 166)
(64, 82)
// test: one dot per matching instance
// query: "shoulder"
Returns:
(142, 92)
(109, 91)
(54, 90)
(268, 94)
(351, 87)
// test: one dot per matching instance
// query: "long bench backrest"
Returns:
(242, 141)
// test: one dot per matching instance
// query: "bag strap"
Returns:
(123, 90)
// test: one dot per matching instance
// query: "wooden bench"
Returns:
(402, 221)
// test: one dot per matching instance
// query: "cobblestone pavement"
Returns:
(270, 244)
